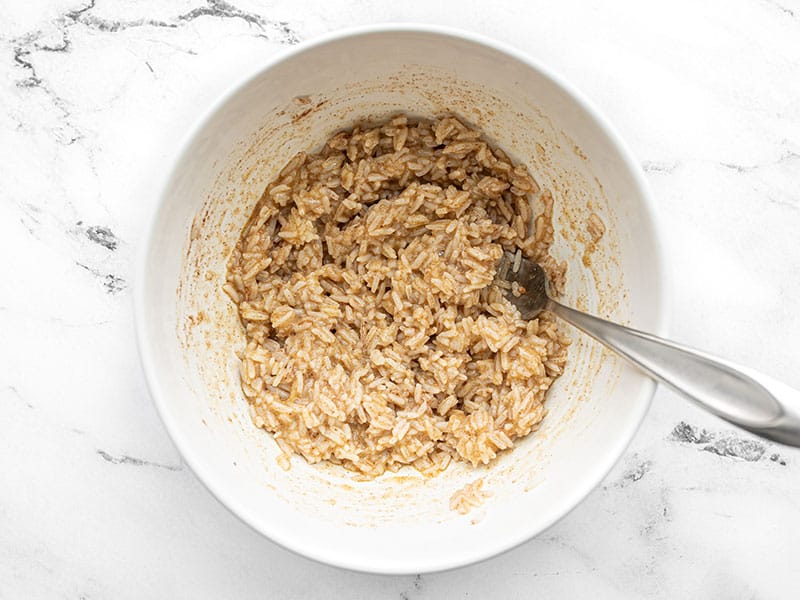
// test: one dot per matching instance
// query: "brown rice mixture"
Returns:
(364, 281)
(471, 496)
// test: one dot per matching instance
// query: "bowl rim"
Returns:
(375, 564)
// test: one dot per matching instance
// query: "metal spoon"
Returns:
(738, 394)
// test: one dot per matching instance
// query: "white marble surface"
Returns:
(94, 500)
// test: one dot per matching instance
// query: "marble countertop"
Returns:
(95, 501)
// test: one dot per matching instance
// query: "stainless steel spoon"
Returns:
(738, 394)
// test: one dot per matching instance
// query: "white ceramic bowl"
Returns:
(188, 330)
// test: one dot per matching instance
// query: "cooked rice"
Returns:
(469, 497)
(595, 228)
(364, 281)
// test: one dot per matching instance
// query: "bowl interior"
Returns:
(189, 331)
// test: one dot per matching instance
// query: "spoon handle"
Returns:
(738, 394)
